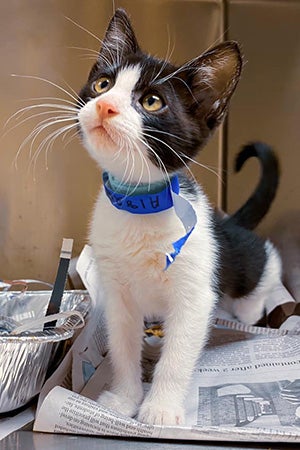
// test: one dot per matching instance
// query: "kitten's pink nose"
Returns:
(105, 110)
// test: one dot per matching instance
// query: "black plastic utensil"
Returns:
(60, 281)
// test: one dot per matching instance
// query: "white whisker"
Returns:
(103, 44)
(83, 29)
(144, 163)
(166, 59)
(18, 114)
(33, 77)
(187, 86)
(69, 102)
(48, 145)
(173, 151)
(132, 142)
(38, 129)
(154, 130)
(161, 163)
(33, 116)
(70, 138)
(76, 95)
(87, 58)
(203, 166)
(92, 51)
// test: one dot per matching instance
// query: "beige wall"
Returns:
(267, 104)
(39, 204)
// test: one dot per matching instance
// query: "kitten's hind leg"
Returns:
(125, 330)
(250, 309)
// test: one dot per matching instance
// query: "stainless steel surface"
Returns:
(26, 440)
(26, 358)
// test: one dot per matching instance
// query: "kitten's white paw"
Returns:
(248, 311)
(158, 413)
(118, 402)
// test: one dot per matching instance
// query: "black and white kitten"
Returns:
(142, 119)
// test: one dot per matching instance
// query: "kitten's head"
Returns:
(140, 116)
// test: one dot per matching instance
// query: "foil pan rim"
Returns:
(40, 336)
(63, 332)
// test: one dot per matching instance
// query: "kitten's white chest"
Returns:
(132, 249)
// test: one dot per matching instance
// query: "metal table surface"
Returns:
(27, 440)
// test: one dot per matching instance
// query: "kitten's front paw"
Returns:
(160, 413)
(118, 402)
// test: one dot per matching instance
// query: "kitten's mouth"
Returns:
(101, 132)
(99, 129)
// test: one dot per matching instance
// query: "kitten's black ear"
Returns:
(215, 75)
(119, 40)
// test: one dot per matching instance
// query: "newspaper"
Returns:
(245, 386)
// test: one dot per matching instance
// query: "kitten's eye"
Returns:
(102, 85)
(152, 103)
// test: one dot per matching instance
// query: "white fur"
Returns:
(130, 250)
(131, 255)
(122, 153)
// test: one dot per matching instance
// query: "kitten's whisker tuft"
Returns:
(173, 151)
(57, 86)
(203, 166)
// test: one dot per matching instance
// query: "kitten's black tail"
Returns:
(256, 207)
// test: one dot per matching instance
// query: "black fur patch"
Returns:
(188, 187)
(242, 258)
(195, 98)
(258, 204)
(195, 95)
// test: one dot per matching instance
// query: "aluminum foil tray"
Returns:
(25, 359)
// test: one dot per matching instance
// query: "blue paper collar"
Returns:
(145, 199)
(150, 199)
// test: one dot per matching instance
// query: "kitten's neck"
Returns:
(120, 187)
(143, 202)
